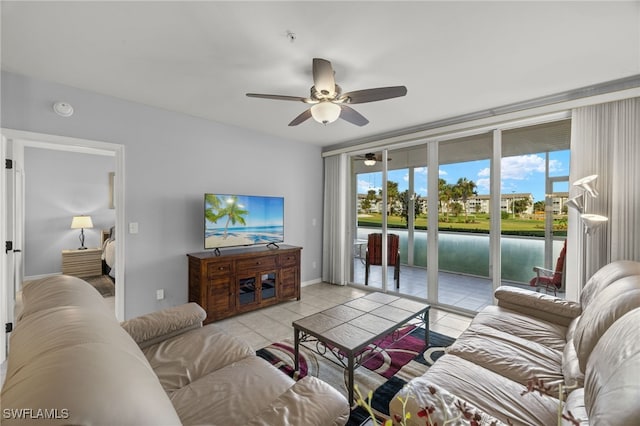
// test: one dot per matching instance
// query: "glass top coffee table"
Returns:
(342, 333)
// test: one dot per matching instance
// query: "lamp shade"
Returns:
(81, 222)
(325, 112)
(593, 222)
(588, 183)
(576, 203)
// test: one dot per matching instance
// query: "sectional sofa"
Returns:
(72, 362)
(507, 366)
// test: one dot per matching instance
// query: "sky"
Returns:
(520, 174)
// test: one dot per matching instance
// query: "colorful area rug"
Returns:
(385, 373)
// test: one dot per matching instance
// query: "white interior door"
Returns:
(10, 248)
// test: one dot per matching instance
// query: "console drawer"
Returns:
(262, 262)
(290, 259)
(218, 268)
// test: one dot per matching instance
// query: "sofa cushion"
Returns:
(84, 365)
(309, 402)
(610, 304)
(537, 305)
(157, 326)
(443, 408)
(60, 290)
(485, 390)
(571, 371)
(232, 395)
(574, 408)
(517, 359)
(611, 384)
(524, 326)
(606, 275)
(189, 356)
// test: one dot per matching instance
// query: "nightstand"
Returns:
(82, 263)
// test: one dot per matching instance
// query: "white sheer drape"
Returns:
(605, 140)
(335, 241)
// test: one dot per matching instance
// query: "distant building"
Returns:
(475, 204)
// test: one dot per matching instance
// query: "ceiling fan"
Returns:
(328, 103)
(370, 159)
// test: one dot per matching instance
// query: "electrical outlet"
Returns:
(314, 265)
(133, 228)
(160, 294)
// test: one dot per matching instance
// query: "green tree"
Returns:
(405, 200)
(444, 195)
(228, 207)
(370, 199)
(539, 206)
(392, 196)
(520, 205)
(464, 189)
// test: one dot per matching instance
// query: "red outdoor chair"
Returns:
(374, 255)
(551, 280)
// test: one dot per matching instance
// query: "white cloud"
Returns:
(442, 172)
(522, 166)
(364, 187)
(486, 172)
(483, 185)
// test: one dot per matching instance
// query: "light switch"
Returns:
(133, 227)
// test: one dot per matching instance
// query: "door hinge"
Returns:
(8, 164)
(8, 327)
(8, 246)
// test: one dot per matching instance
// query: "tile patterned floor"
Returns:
(272, 324)
(458, 291)
(262, 327)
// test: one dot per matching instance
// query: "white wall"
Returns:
(58, 186)
(171, 160)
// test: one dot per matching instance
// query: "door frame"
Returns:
(22, 139)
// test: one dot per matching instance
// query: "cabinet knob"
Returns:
(221, 268)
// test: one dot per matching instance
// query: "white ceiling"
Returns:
(200, 58)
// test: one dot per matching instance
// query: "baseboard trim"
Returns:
(311, 282)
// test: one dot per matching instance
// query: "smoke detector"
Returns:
(63, 109)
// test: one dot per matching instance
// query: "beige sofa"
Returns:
(71, 362)
(593, 346)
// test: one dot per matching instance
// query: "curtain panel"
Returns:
(605, 140)
(335, 237)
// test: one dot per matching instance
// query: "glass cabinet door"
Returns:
(268, 285)
(247, 290)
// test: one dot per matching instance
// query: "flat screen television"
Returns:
(242, 220)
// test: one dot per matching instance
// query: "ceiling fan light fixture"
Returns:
(369, 162)
(325, 112)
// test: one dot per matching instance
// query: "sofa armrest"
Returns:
(538, 305)
(155, 327)
(309, 402)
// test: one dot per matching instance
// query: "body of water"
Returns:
(468, 253)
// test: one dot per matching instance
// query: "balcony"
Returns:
(463, 281)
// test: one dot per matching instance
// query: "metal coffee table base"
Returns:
(343, 334)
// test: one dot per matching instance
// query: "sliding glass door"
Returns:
(496, 209)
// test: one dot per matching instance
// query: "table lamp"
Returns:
(81, 222)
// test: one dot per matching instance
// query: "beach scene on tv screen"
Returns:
(240, 220)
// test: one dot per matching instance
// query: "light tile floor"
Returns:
(273, 324)
(267, 325)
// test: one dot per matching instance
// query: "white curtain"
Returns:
(605, 140)
(336, 240)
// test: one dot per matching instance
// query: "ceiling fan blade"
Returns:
(372, 95)
(279, 97)
(301, 118)
(352, 116)
(323, 77)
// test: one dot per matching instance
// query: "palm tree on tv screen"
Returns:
(228, 207)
